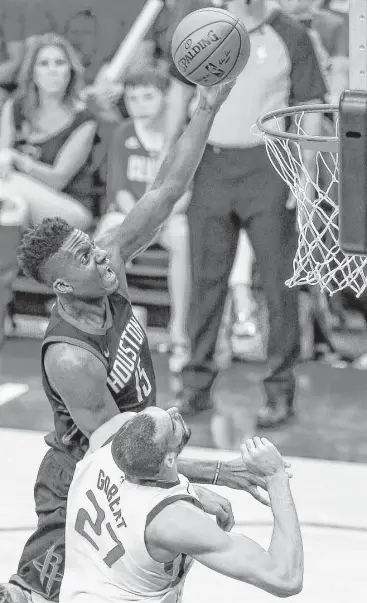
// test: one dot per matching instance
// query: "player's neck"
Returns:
(89, 312)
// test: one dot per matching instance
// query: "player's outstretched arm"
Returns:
(182, 528)
(175, 174)
(233, 474)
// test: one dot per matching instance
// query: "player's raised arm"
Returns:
(173, 178)
(182, 528)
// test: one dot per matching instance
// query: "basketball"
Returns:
(210, 46)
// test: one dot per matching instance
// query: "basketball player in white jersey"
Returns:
(134, 525)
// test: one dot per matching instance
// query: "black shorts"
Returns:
(41, 566)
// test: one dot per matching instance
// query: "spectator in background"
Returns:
(243, 305)
(46, 137)
(96, 28)
(46, 140)
(235, 186)
(11, 45)
(329, 34)
(134, 159)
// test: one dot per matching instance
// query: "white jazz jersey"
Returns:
(106, 558)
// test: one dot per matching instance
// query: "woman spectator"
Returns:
(47, 137)
(46, 140)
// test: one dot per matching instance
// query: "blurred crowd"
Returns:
(76, 145)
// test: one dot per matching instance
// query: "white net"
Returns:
(319, 259)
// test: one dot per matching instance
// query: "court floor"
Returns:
(330, 497)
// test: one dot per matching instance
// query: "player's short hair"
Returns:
(39, 244)
(136, 449)
(148, 77)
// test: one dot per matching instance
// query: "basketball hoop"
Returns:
(319, 259)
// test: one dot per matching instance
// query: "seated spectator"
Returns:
(133, 163)
(11, 45)
(46, 141)
(46, 137)
(95, 28)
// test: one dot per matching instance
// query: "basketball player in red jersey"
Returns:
(95, 357)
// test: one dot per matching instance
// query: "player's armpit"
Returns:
(183, 528)
(79, 378)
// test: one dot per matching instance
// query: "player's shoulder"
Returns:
(181, 527)
(171, 516)
(174, 513)
(65, 360)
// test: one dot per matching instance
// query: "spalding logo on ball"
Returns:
(210, 46)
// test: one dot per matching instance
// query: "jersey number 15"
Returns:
(97, 526)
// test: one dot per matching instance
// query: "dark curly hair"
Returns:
(39, 244)
(136, 449)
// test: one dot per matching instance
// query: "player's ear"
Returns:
(61, 287)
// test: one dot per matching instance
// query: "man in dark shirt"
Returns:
(236, 186)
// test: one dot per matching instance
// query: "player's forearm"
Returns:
(286, 543)
(180, 164)
(198, 472)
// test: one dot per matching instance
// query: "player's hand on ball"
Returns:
(217, 505)
(261, 457)
(214, 96)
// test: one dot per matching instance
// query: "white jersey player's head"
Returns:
(147, 446)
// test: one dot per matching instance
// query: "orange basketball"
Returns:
(210, 46)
